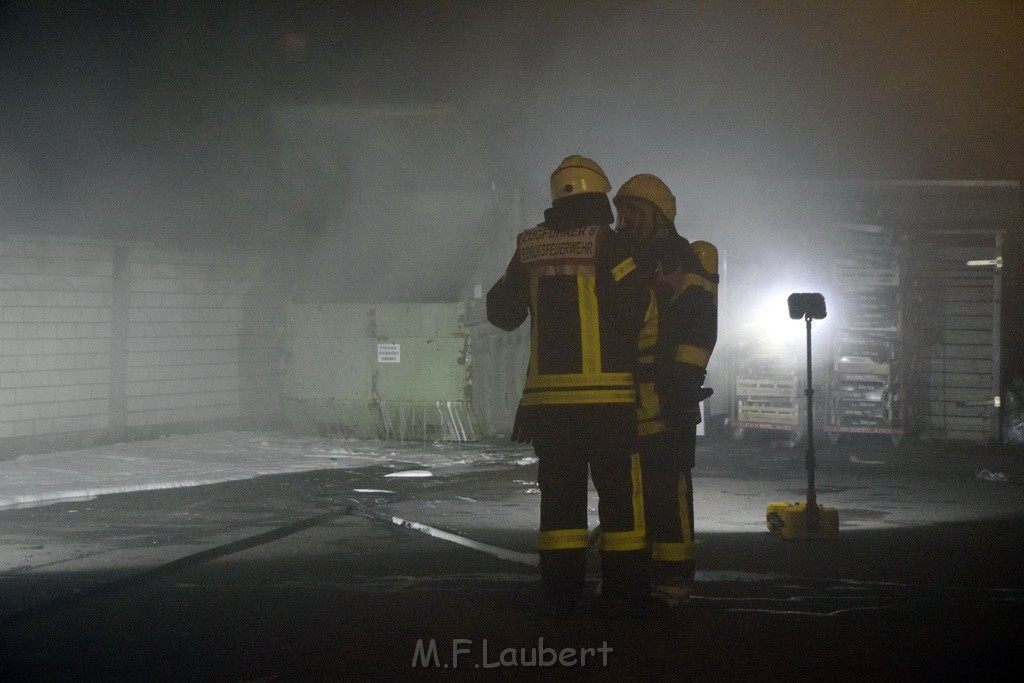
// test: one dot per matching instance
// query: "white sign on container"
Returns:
(389, 353)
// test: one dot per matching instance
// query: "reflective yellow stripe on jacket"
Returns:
(592, 385)
(694, 355)
(648, 408)
(598, 387)
(695, 280)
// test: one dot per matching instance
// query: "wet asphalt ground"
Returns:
(301, 578)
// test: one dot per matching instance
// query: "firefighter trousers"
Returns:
(667, 461)
(569, 441)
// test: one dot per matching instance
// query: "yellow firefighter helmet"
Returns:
(651, 188)
(576, 175)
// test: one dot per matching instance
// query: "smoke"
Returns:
(399, 196)
(375, 134)
(131, 122)
(770, 90)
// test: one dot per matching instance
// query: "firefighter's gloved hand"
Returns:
(522, 431)
(681, 405)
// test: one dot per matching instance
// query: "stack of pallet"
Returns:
(768, 393)
(767, 401)
(865, 387)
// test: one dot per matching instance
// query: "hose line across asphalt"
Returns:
(78, 595)
(529, 559)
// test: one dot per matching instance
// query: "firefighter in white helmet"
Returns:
(674, 353)
(574, 277)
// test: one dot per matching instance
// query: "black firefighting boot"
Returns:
(563, 573)
(672, 582)
(625, 587)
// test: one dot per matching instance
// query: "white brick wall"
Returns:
(55, 299)
(199, 345)
(196, 338)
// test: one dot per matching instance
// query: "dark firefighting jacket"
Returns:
(679, 334)
(578, 285)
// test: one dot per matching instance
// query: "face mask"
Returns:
(636, 222)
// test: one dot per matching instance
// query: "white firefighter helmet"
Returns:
(576, 175)
(651, 188)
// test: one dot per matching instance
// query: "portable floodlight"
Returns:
(809, 519)
(811, 306)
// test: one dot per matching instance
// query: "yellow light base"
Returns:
(789, 521)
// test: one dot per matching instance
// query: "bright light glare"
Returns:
(767, 336)
(769, 318)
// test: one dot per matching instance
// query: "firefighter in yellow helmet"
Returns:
(574, 277)
(674, 353)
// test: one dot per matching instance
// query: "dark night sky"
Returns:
(106, 101)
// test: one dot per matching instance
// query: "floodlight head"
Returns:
(809, 306)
